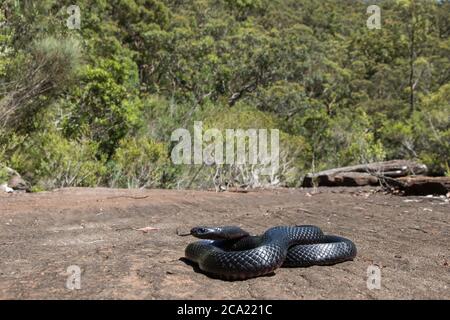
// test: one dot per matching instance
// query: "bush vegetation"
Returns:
(96, 106)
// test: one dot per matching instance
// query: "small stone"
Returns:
(17, 183)
(4, 187)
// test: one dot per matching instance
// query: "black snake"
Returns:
(231, 253)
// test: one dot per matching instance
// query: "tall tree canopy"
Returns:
(136, 70)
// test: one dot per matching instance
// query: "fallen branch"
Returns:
(423, 185)
(129, 197)
(363, 174)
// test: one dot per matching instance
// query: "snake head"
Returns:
(219, 233)
(204, 232)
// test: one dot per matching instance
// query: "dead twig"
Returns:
(129, 197)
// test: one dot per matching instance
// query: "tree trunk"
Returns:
(412, 57)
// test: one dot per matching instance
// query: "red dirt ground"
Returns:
(42, 234)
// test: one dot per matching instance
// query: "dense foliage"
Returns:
(97, 105)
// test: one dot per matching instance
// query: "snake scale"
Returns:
(231, 253)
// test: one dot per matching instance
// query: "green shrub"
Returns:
(432, 131)
(9, 143)
(425, 135)
(3, 175)
(292, 152)
(37, 77)
(138, 163)
(51, 161)
(355, 139)
(105, 106)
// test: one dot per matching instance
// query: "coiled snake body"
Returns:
(232, 253)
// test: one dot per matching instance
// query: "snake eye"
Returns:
(199, 230)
